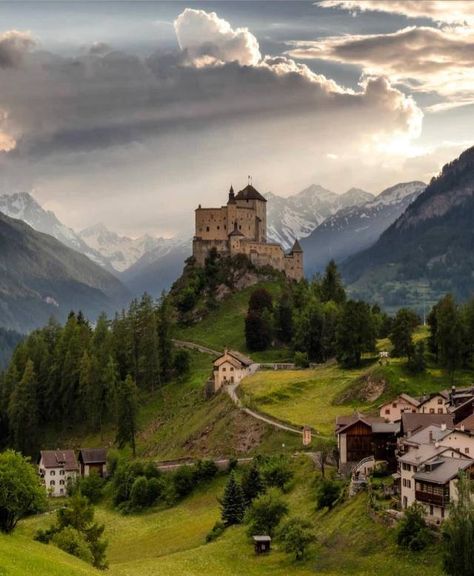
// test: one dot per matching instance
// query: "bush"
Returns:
(276, 472)
(296, 535)
(92, 487)
(184, 481)
(139, 493)
(156, 489)
(266, 512)
(206, 470)
(182, 363)
(301, 360)
(413, 532)
(327, 493)
(216, 531)
(73, 542)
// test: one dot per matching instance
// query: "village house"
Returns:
(360, 436)
(428, 475)
(230, 368)
(436, 403)
(93, 460)
(240, 227)
(58, 468)
(412, 423)
(393, 410)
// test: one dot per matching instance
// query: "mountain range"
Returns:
(356, 227)
(429, 249)
(297, 216)
(40, 277)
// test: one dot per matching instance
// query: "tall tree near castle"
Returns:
(332, 287)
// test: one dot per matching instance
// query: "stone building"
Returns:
(230, 368)
(240, 227)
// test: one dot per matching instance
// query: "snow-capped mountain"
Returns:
(23, 206)
(297, 216)
(121, 251)
(354, 228)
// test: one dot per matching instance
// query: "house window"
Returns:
(440, 401)
(52, 483)
(387, 410)
(432, 411)
(440, 410)
(442, 512)
(61, 490)
(52, 473)
(406, 466)
(61, 472)
(231, 368)
(224, 369)
(466, 450)
(431, 510)
(394, 405)
(61, 482)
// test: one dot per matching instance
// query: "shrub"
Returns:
(92, 487)
(413, 532)
(156, 488)
(327, 493)
(266, 512)
(73, 542)
(206, 470)
(276, 472)
(296, 535)
(216, 531)
(301, 360)
(184, 481)
(139, 494)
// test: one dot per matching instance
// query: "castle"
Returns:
(240, 227)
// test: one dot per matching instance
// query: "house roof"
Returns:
(93, 455)
(345, 422)
(468, 423)
(413, 401)
(414, 422)
(469, 399)
(236, 356)
(443, 393)
(59, 459)
(445, 469)
(250, 193)
(386, 427)
(432, 433)
(422, 453)
(262, 539)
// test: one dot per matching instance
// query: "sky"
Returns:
(133, 113)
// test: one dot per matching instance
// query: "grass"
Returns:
(225, 326)
(172, 541)
(21, 556)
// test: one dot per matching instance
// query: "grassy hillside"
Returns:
(225, 326)
(177, 420)
(21, 556)
(169, 542)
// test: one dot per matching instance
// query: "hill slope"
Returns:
(432, 243)
(356, 227)
(41, 277)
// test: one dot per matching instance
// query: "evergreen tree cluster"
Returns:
(315, 320)
(79, 374)
(452, 333)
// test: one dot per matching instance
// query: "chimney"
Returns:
(443, 426)
(462, 427)
(431, 436)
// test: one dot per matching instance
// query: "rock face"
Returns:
(355, 228)
(429, 249)
(40, 278)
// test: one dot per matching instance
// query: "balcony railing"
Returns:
(436, 499)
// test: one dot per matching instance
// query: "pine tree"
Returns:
(107, 394)
(165, 346)
(252, 484)
(127, 407)
(88, 385)
(331, 285)
(23, 412)
(284, 319)
(449, 334)
(233, 505)
(148, 360)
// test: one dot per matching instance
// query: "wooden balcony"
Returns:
(435, 499)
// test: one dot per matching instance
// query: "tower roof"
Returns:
(297, 247)
(250, 193)
(231, 195)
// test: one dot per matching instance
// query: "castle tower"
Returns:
(250, 198)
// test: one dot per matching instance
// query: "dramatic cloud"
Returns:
(209, 39)
(189, 122)
(444, 11)
(426, 59)
(13, 46)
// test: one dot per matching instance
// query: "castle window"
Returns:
(207, 228)
(218, 227)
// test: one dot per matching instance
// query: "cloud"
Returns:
(425, 59)
(443, 11)
(13, 46)
(101, 125)
(209, 39)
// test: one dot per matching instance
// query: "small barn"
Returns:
(262, 544)
(93, 460)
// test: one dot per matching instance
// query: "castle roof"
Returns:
(235, 231)
(297, 247)
(250, 193)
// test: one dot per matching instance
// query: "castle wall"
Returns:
(201, 249)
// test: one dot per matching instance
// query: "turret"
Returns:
(231, 196)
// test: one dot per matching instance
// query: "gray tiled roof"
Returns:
(446, 470)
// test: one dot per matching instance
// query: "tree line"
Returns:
(88, 375)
